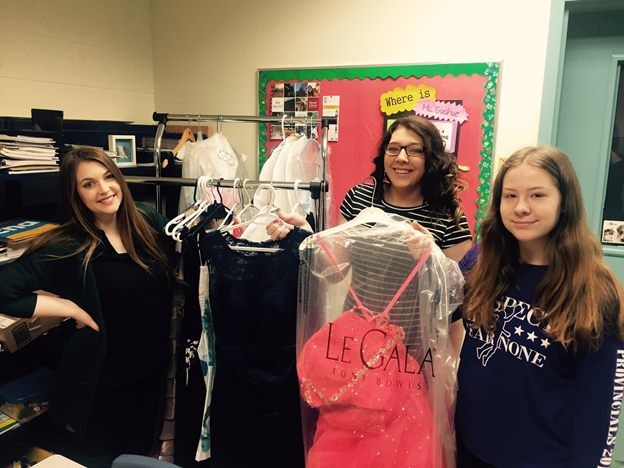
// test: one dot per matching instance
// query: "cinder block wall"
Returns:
(90, 58)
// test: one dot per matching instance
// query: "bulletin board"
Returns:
(460, 99)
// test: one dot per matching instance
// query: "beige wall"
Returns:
(207, 52)
(90, 58)
(123, 59)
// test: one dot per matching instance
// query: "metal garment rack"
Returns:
(315, 188)
(318, 189)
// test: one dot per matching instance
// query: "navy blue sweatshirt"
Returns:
(524, 400)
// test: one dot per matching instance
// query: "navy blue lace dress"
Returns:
(255, 412)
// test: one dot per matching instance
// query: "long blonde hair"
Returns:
(78, 222)
(579, 295)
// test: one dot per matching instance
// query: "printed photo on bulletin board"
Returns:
(460, 99)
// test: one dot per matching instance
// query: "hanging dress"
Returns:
(376, 400)
(255, 417)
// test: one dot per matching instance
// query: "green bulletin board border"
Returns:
(488, 69)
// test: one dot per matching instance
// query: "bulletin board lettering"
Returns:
(460, 99)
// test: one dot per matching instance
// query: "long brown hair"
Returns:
(579, 295)
(440, 185)
(78, 222)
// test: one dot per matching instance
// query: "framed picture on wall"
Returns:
(124, 147)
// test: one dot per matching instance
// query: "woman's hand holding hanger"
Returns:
(277, 229)
(419, 243)
(422, 230)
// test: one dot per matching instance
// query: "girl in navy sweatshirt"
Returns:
(541, 376)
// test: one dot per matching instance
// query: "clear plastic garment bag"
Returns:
(213, 157)
(374, 360)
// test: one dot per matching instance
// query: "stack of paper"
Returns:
(7, 423)
(33, 154)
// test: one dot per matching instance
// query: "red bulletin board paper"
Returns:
(361, 124)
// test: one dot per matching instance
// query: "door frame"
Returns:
(555, 55)
(551, 98)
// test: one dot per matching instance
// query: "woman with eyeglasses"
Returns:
(413, 177)
(417, 179)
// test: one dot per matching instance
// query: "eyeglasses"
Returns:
(413, 151)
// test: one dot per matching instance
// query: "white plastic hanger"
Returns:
(298, 207)
(230, 214)
(188, 222)
(372, 215)
(203, 202)
(200, 134)
(243, 189)
(265, 213)
(171, 225)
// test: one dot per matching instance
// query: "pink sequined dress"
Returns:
(372, 399)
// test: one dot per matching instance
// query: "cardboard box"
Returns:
(15, 333)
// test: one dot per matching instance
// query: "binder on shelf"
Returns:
(19, 230)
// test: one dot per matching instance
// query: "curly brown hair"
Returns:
(440, 184)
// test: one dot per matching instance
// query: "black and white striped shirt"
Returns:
(376, 262)
(444, 230)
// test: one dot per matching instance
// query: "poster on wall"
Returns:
(294, 100)
(459, 99)
(613, 232)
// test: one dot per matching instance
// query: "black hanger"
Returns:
(216, 211)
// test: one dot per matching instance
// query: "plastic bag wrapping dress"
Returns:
(303, 164)
(374, 361)
(275, 170)
(214, 157)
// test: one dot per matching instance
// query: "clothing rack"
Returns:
(317, 188)
(314, 187)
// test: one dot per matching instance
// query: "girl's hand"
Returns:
(277, 230)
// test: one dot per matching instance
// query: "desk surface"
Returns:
(58, 461)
